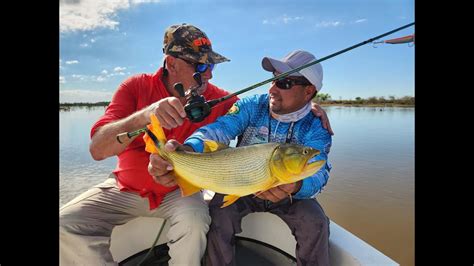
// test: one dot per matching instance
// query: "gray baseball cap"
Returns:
(313, 73)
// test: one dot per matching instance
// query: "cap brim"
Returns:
(274, 65)
(215, 58)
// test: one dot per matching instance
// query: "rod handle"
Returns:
(123, 137)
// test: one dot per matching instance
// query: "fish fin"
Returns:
(157, 129)
(187, 188)
(157, 139)
(150, 145)
(229, 199)
(211, 145)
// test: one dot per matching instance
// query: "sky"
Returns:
(104, 42)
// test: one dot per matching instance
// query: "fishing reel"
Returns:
(196, 108)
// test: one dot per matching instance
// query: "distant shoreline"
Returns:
(84, 104)
(367, 105)
(67, 106)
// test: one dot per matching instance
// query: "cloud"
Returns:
(89, 96)
(287, 19)
(136, 2)
(81, 77)
(360, 20)
(118, 69)
(86, 78)
(104, 75)
(117, 74)
(282, 20)
(85, 15)
(325, 24)
(71, 62)
(62, 79)
(85, 44)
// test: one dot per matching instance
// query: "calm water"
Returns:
(370, 191)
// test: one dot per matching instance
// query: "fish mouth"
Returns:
(312, 167)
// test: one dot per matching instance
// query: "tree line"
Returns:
(325, 98)
(321, 98)
(84, 104)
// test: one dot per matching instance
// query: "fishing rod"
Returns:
(197, 108)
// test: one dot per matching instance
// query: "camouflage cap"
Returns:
(187, 42)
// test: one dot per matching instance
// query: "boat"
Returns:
(258, 244)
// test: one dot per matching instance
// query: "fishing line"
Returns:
(154, 243)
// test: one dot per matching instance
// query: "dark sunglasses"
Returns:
(201, 68)
(198, 67)
(288, 83)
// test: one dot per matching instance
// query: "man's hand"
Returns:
(169, 111)
(280, 192)
(160, 169)
(319, 112)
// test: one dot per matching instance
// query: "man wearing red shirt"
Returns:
(86, 222)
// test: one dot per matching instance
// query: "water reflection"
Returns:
(371, 190)
(78, 171)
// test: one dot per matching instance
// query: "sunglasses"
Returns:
(201, 68)
(288, 83)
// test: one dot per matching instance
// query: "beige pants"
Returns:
(86, 224)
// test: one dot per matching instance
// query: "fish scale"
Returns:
(214, 171)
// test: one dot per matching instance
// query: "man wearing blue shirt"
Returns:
(282, 115)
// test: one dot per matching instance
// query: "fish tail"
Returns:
(154, 138)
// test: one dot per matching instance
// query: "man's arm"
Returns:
(104, 143)
(226, 127)
(318, 111)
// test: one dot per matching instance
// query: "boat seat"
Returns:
(258, 242)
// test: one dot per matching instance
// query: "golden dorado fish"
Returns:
(236, 172)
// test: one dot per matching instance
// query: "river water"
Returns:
(370, 191)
